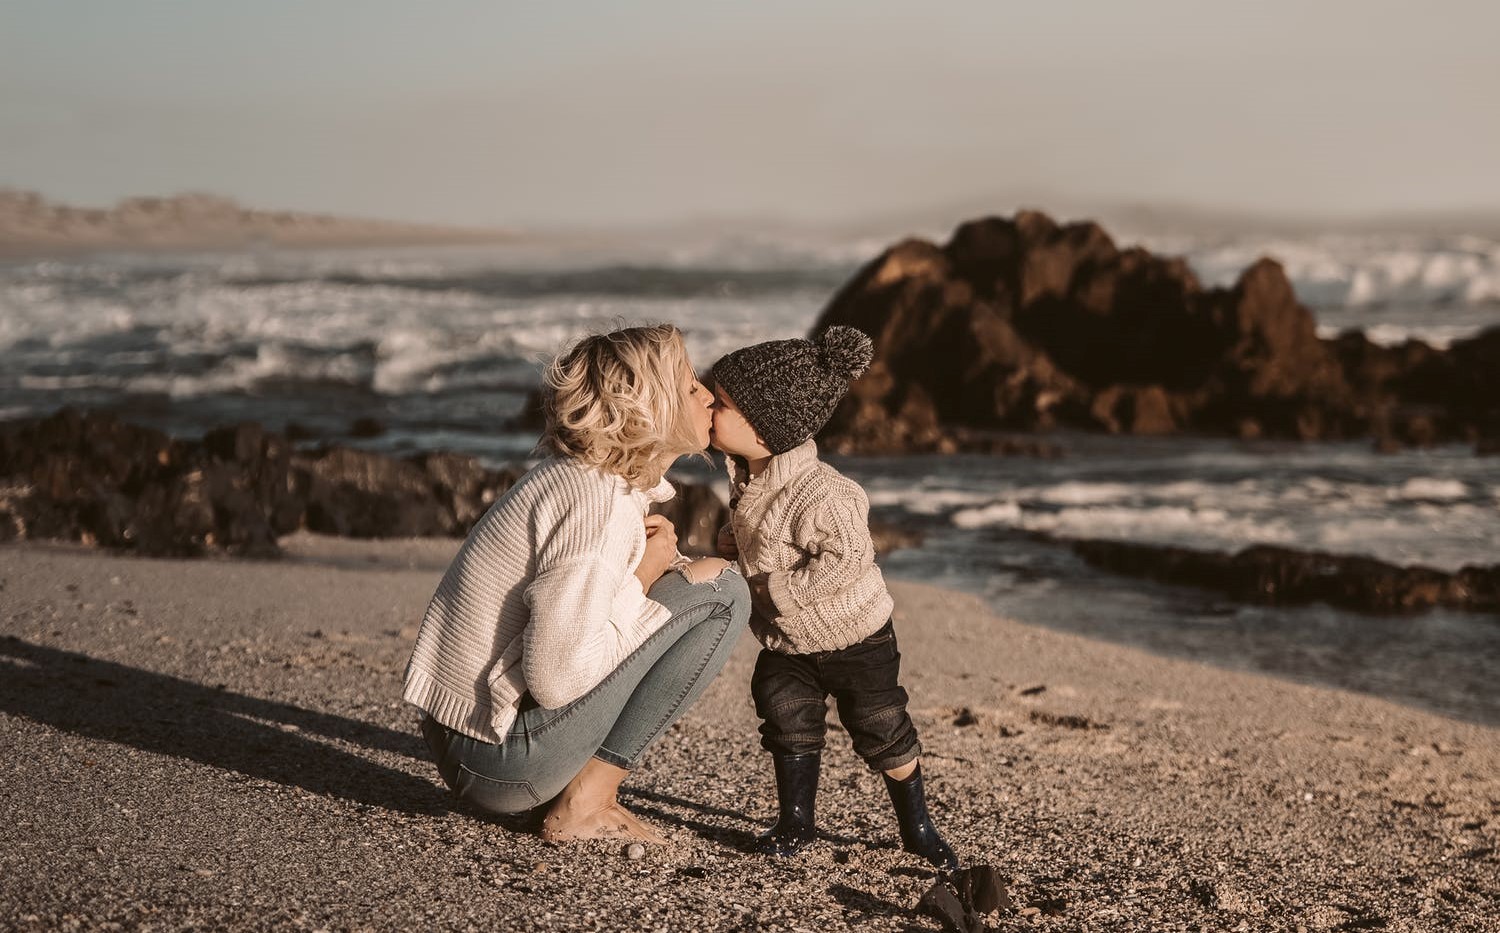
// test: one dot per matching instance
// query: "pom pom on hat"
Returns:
(846, 351)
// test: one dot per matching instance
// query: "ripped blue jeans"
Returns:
(616, 720)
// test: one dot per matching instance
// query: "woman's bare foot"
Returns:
(587, 809)
(612, 822)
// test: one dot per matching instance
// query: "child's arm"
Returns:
(835, 533)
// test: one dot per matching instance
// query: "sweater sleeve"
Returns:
(835, 534)
(588, 611)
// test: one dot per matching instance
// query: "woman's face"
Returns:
(700, 404)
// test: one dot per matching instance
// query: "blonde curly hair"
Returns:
(617, 402)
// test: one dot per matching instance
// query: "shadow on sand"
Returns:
(168, 715)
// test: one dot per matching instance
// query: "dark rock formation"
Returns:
(1284, 576)
(366, 427)
(888, 537)
(1023, 324)
(697, 513)
(99, 481)
(359, 494)
(93, 479)
(90, 478)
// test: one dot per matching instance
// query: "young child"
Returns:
(821, 611)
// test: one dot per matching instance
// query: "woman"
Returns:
(568, 633)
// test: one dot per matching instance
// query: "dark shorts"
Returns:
(791, 695)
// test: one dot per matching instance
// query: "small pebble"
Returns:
(635, 851)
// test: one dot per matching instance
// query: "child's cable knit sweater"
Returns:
(803, 533)
(542, 598)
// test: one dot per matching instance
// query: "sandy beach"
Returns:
(220, 745)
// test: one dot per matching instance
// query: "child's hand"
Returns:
(704, 569)
(761, 603)
(728, 548)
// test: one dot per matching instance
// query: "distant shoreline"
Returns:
(32, 227)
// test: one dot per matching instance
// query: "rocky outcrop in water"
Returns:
(1285, 576)
(93, 479)
(1024, 324)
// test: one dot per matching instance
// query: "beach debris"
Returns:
(1051, 906)
(961, 900)
(1067, 720)
(943, 904)
(635, 851)
(1032, 690)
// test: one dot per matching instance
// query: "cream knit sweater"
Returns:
(803, 532)
(542, 598)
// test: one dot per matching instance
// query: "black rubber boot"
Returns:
(918, 835)
(796, 787)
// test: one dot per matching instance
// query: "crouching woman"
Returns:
(569, 633)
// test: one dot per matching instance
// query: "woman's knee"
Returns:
(736, 592)
(727, 595)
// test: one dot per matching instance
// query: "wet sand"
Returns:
(220, 744)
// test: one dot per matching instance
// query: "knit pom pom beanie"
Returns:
(788, 389)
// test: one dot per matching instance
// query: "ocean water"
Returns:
(442, 345)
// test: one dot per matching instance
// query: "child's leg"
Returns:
(791, 703)
(792, 706)
(918, 835)
(865, 682)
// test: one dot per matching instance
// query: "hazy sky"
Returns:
(619, 112)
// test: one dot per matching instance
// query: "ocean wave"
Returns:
(1356, 270)
(1330, 499)
(924, 498)
(1432, 489)
(625, 281)
(421, 334)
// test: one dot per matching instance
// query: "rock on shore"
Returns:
(1286, 576)
(91, 478)
(1025, 324)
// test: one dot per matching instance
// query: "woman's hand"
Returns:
(704, 569)
(726, 545)
(661, 549)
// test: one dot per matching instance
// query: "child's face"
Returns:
(732, 433)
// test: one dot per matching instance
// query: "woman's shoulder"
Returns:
(552, 488)
(568, 476)
(565, 491)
